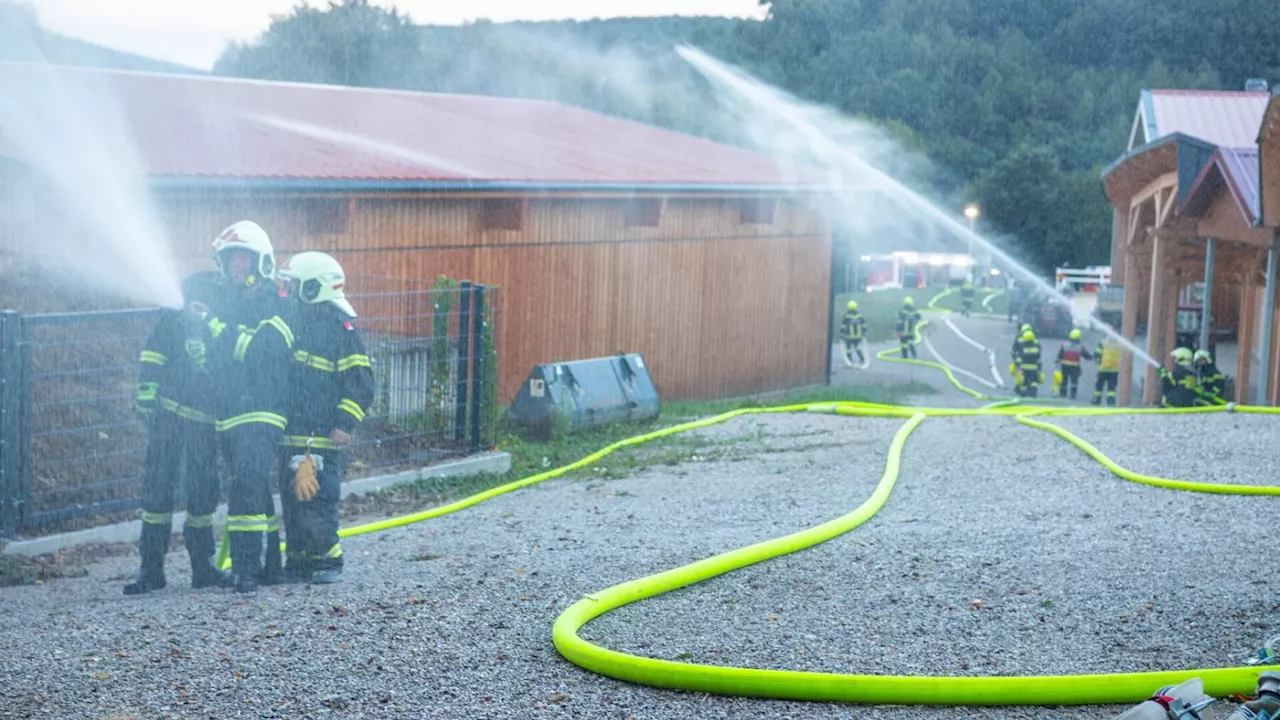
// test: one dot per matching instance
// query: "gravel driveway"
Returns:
(1076, 570)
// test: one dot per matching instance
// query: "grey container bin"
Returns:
(586, 394)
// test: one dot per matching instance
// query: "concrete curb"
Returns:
(491, 462)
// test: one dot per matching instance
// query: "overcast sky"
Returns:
(194, 32)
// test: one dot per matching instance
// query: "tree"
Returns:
(350, 43)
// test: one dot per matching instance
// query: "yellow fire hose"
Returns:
(836, 687)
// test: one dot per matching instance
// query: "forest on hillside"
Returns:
(1017, 104)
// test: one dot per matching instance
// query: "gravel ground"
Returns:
(1232, 448)
(1076, 571)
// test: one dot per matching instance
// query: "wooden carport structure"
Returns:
(1185, 211)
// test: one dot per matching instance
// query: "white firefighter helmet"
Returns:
(316, 277)
(1204, 355)
(247, 235)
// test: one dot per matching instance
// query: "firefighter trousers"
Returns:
(1070, 379)
(1028, 383)
(179, 450)
(250, 450)
(1106, 384)
(907, 345)
(311, 526)
(851, 346)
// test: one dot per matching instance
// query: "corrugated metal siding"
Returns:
(717, 308)
(1227, 118)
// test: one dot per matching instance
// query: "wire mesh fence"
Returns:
(71, 446)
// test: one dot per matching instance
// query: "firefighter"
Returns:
(251, 350)
(908, 326)
(1017, 341)
(1107, 354)
(1210, 379)
(966, 297)
(853, 327)
(1069, 357)
(1027, 361)
(1179, 387)
(174, 399)
(330, 388)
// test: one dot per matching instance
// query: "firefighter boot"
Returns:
(273, 572)
(246, 561)
(201, 549)
(152, 546)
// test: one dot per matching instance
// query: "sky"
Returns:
(194, 32)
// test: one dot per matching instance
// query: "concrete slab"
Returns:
(491, 462)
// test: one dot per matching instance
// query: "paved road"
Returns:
(969, 356)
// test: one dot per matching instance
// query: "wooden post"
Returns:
(1248, 316)
(1157, 318)
(1133, 293)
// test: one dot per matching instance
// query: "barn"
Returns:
(602, 235)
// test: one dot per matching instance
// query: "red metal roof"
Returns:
(1221, 117)
(212, 127)
(1237, 168)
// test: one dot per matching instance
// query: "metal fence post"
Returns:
(464, 334)
(477, 366)
(10, 422)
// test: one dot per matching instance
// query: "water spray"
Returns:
(768, 99)
(68, 136)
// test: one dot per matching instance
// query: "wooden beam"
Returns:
(1166, 206)
(1153, 188)
(1248, 318)
(1157, 319)
(1133, 294)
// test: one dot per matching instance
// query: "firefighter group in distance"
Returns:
(853, 330)
(262, 369)
(1193, 380)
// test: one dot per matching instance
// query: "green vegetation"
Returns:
(1017, 105)
(532, 457)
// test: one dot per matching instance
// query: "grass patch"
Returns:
(530, 457)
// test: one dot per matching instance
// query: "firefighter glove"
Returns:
(305, 467)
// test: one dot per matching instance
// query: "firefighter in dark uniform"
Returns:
(174, 397)
(1070, 355)
(1179, 387)
(853, 327)
(1108, 356)
(1212, 382)
(251, 350)
(331, 387)
(908, 325)
(966, 297)
(1027, 361)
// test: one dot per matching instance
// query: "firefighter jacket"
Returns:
(1212, 382)
(250, 349)
(1028, 356)
(170, 378)
(966, 290)
(853, 325)
(1071, 353)
(1108, 356)
(174, 372)
(330, 380)
(910, 319)
(1179, 387)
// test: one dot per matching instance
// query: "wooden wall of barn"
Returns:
(718, 306)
